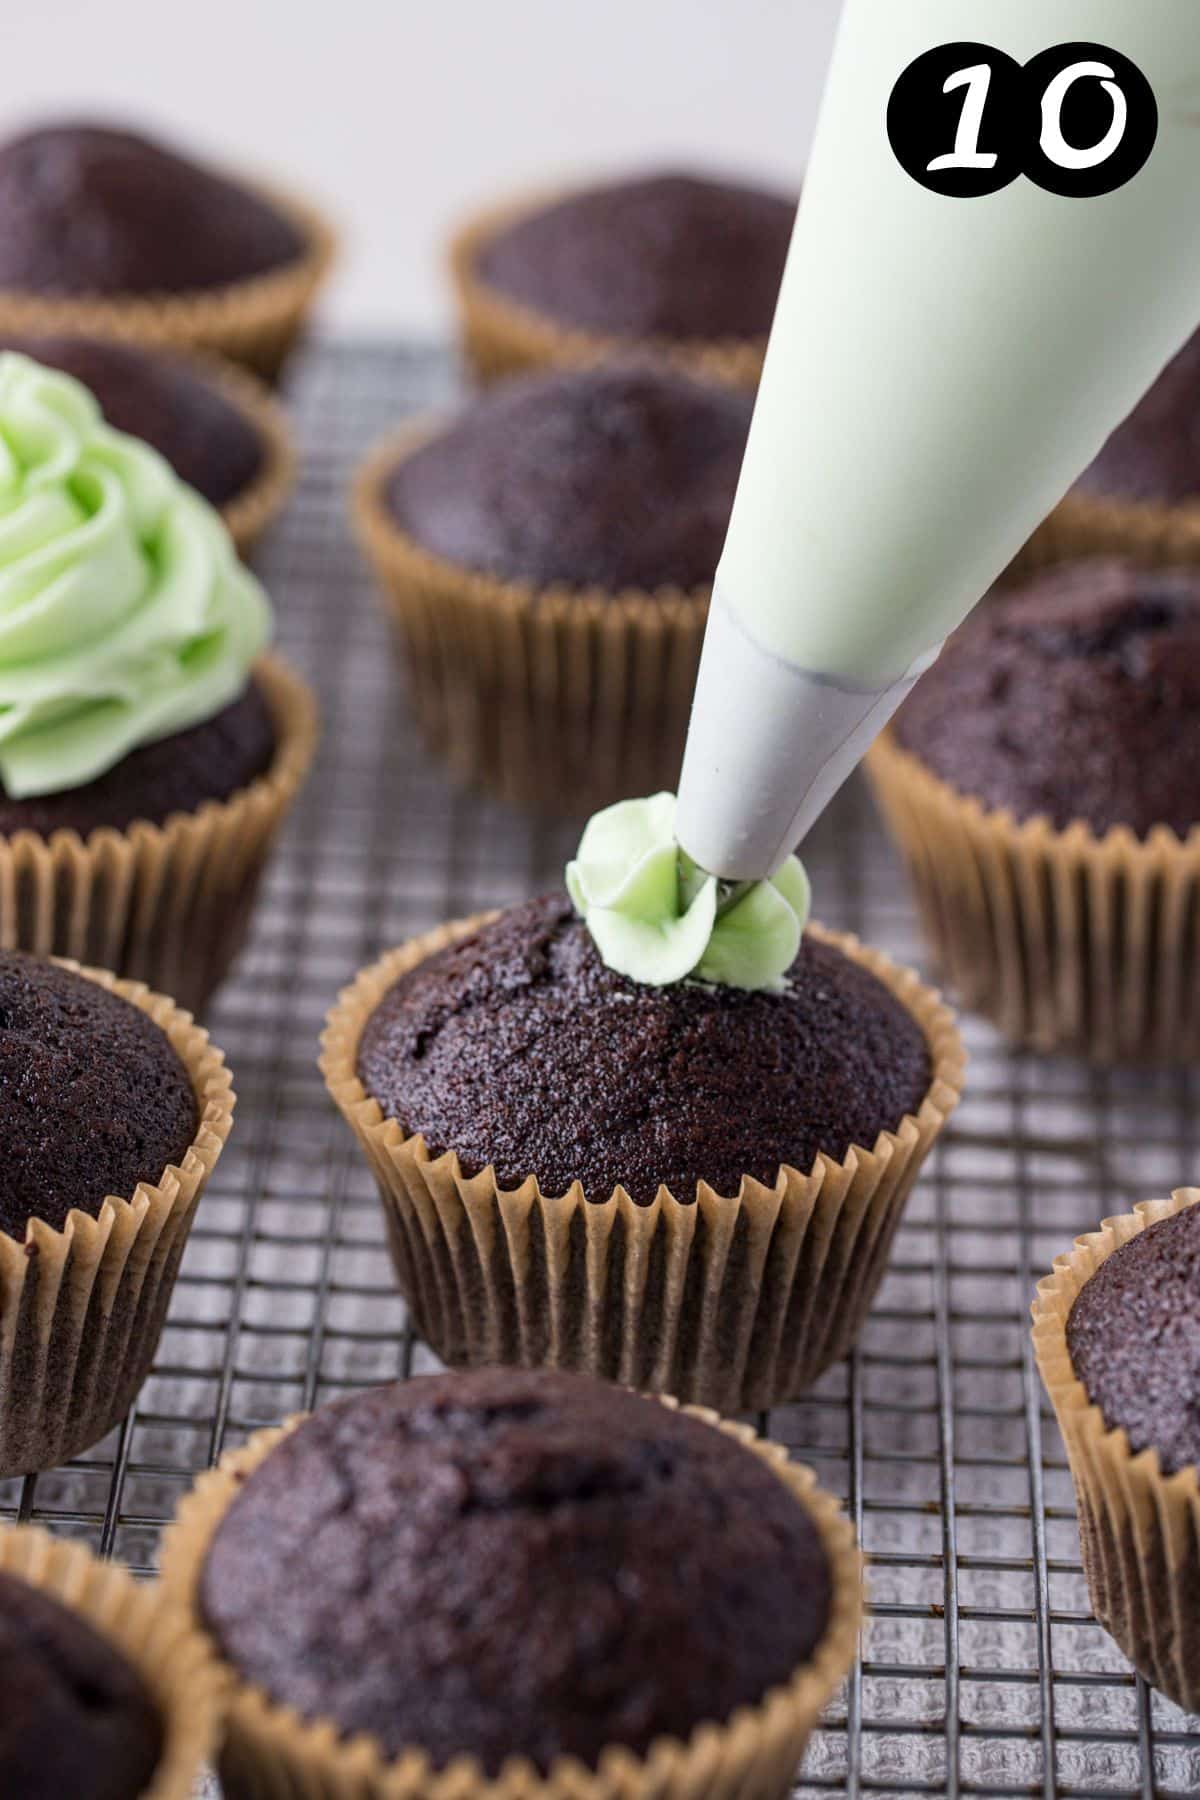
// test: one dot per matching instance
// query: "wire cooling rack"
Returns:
(982, 1671)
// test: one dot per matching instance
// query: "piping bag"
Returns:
(939, 372)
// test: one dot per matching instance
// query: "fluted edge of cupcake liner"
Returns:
(1139, 1528)
(503, 337)
(500, 672)
(82, 1308)
(272, 1753)
(732, 1302)
(166, 904)
(154, 1636)
(249, 513)
(255, 322)
(1064, 939)
(1086, 525)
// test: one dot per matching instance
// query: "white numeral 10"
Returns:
(977, 80)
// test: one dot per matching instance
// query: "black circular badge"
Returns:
(959, 120)
(1097, 120)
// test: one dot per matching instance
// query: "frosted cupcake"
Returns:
(107, 233)
(148, 749)
(693, 1183)
(678, 266)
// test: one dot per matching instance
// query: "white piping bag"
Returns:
(939, 372)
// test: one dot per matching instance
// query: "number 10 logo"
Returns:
(966, 120)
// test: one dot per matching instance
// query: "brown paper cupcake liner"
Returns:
(165, 904)
(272, 1753)
(1140, 1529)
(1085, 525)
(255, 322)
(154, 1636)
(82, 1309)
(502, 337)
(1065, 940)
(733, 1302)
(249, 513)
(556, 700)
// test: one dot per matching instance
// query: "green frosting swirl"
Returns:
(125, 615)
(657, 918)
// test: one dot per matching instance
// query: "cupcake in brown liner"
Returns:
(546, 561)
(1114, 1328)
(114, 1641)
(108, 234)
(688, 1188)
(1041, 785)
(148, 752)
(168, 902)
(1141, 496)
(560, 1589)
(680, 267)
(114, 1107)
(222, 431)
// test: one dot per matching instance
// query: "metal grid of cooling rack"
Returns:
(982, 1672)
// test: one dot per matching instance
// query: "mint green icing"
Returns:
(657, 918)
(125, 615)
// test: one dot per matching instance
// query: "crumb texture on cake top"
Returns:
(89, 210)
(93, 1098)
(517, 1047)
(1076, 696)
(609, 478)
(1133, 1336)
(667, 255)
(511, 1563)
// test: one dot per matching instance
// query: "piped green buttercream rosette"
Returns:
(657, 918)
(125, 615)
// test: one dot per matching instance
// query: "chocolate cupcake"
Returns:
(1141, 495)
(1116, 1327)
(693, 1183)
(219, 428)
(525, 1563)
(1043, 782)
(109, 234)
(109, 1693)
(148, 751)
(78, 1718)
(113, 1110)
(680, 266)
(546, 561)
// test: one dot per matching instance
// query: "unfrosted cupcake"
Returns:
(517, 1582)
(113, 1111)
(1141, 496)
(107, 233)
(1116, 1327)
(645, 1142)
(546, 559)
(109, 1692)
(1043, 782)
(148, 750)
(220, 429)
(678, 266)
